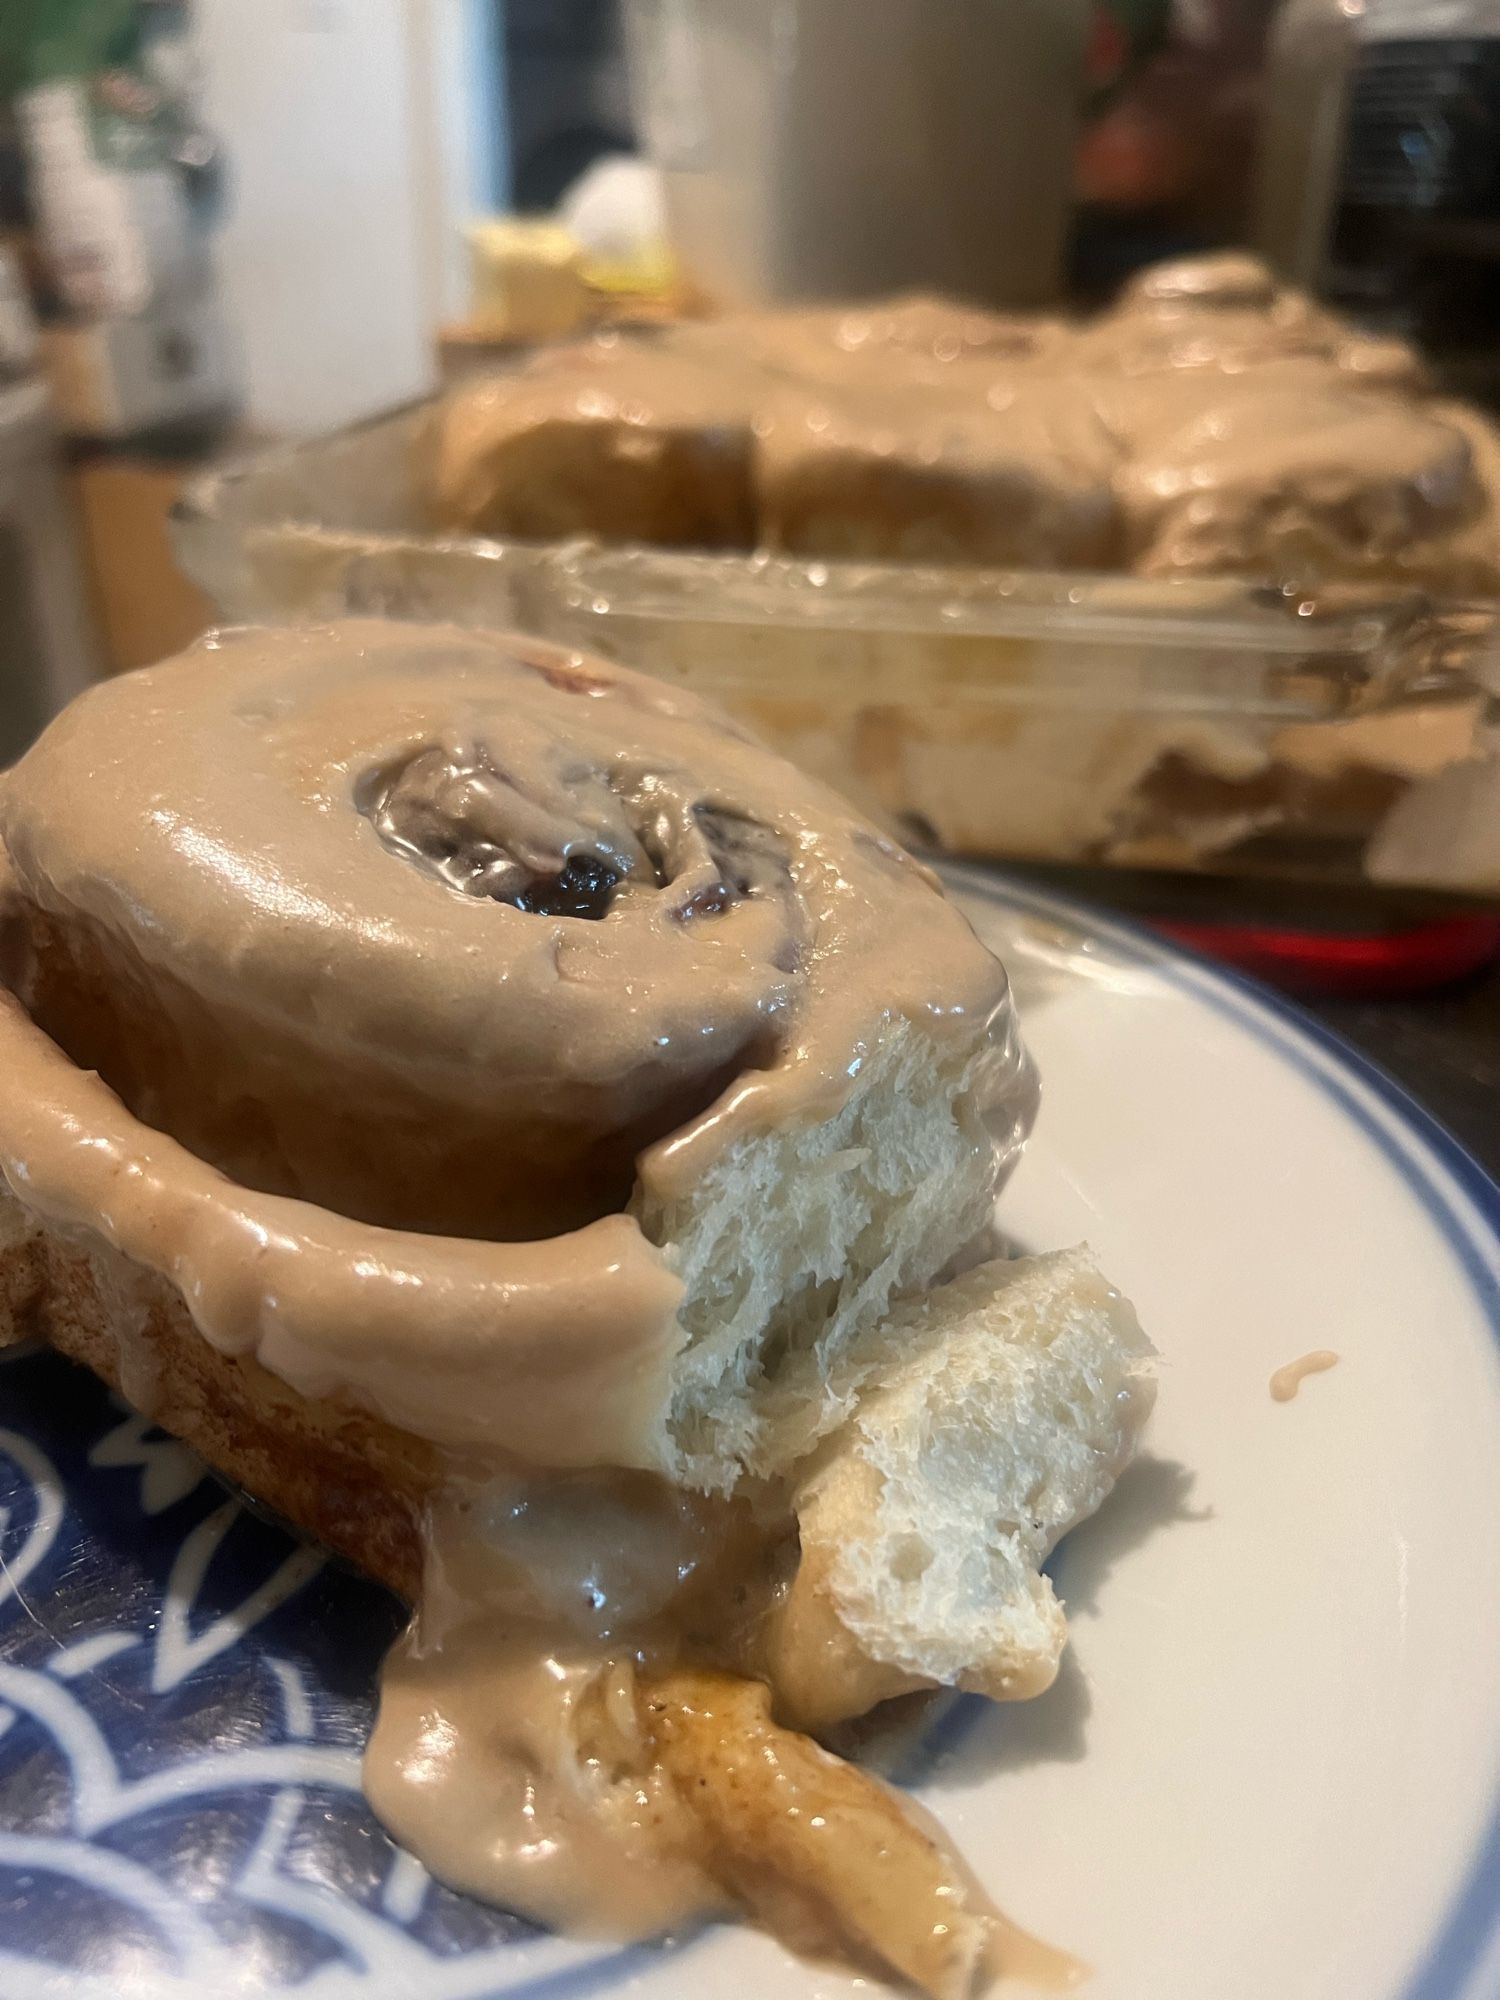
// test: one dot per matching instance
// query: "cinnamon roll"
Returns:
(1211, 421)
(503, 1117)
(1298, 474)
(1016, 474)
(608, 437)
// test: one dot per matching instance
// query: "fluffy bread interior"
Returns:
(1005, 1405)
(794, 1243)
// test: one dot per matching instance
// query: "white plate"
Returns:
(1270, 1770)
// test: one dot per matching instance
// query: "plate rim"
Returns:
(1447, 1965)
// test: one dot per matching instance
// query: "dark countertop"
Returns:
(1443, 1047)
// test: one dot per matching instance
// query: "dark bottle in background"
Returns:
(1379, 181)
(1168, 137)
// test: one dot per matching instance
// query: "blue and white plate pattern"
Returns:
(1271, 1767)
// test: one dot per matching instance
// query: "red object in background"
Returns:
(1109, 45)
(1175, 111)
(1375, 965)
(1127, 158)
(1132, 157)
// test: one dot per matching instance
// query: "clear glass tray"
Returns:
(1063, 717)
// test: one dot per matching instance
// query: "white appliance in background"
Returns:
(837, 148)
(359, 136)
(48, 651)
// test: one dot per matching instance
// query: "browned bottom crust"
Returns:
(352, 1482)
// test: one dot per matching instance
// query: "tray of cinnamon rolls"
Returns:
(1206, 581)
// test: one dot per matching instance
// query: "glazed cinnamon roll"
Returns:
(1211, 421)
(502, 1116)
(524, 968)
(606, 437)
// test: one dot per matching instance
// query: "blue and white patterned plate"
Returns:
(1270, 1770)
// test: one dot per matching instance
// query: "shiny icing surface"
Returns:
(236, 886)
(509, 1748)
(577, 1726)
(1227, 278)
(648, 445)
(921, 430)
(1017, 476)
(557, 1351)
(1303, 468)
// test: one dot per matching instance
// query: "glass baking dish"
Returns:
(1194, 724)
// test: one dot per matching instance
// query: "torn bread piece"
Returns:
(1009, 1401)
(713, 1779)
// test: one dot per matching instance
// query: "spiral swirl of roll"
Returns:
(452, 936)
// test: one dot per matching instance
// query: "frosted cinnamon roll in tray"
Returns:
(523, 1131)
(1206, 581)
(1212, 422)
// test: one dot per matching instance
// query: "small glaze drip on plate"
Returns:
(1288, 1380)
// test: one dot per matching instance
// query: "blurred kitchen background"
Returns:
(225, 223)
